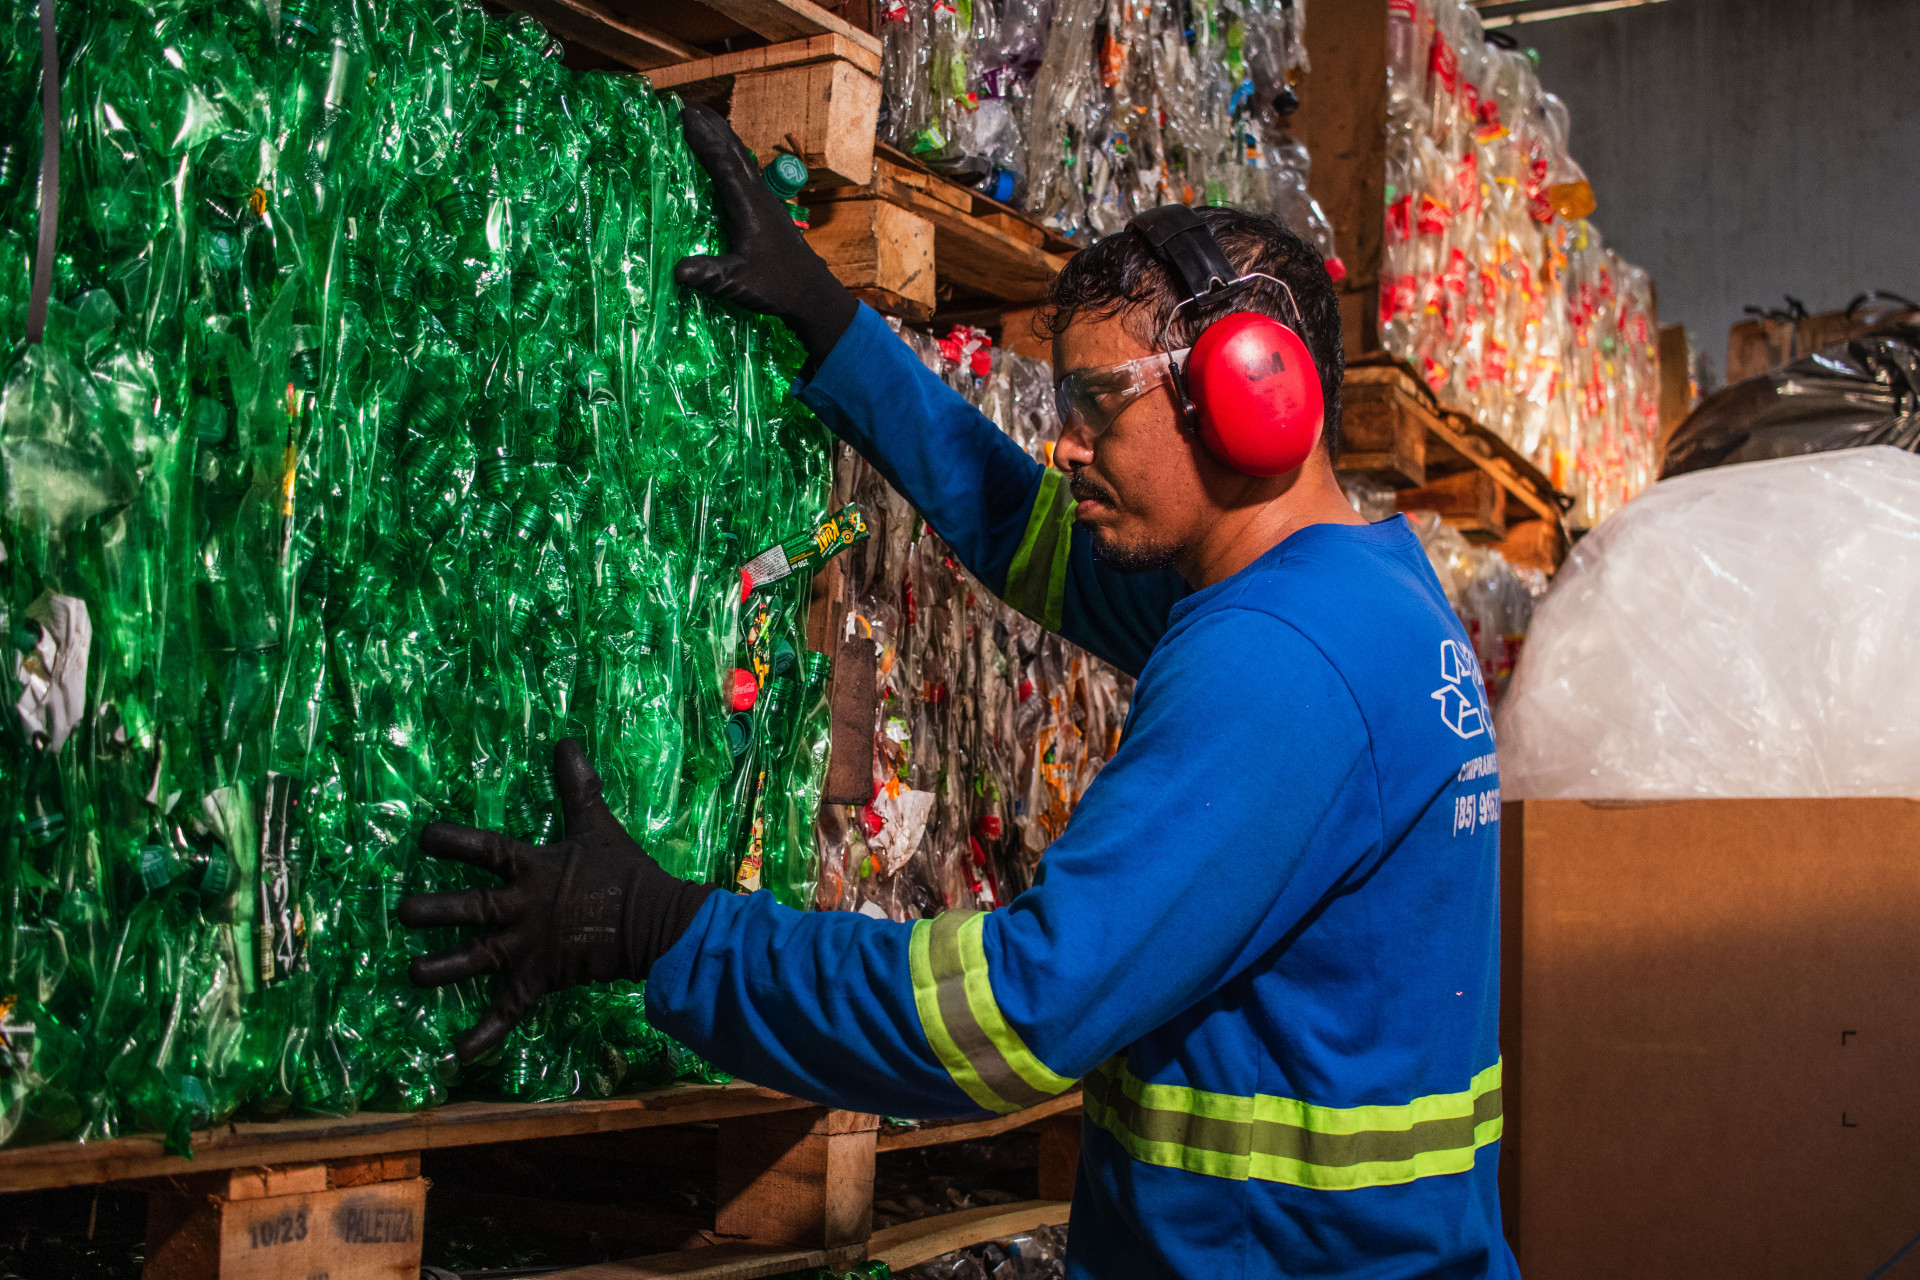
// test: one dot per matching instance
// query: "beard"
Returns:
(1141, 555)
(1133, 555)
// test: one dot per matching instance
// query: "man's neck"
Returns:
(1243, 534)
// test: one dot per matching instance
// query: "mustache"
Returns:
(1085, 488)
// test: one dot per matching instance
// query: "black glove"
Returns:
(772, 269)
(591, 908)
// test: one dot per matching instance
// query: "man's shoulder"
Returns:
(1345, 588)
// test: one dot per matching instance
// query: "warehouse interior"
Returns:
(582, 707)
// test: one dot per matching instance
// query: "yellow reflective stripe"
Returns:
(1037, 578)
(926, 998)
(1438, 1106)
(1376, 1173)
(1285, 1140)
(1036, 1074)
(963, 1024)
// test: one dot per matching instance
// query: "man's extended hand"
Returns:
(772, 269)
(592, 907)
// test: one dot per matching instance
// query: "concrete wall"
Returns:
(1745, 149)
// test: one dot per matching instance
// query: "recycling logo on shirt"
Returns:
(1463, 705)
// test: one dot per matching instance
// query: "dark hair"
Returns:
(1121, 277)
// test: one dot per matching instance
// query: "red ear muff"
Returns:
(1256, 394)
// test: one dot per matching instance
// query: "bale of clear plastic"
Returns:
(1741, 631)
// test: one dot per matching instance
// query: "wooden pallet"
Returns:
(345, 1197)
(912, 242)
(644, 34)
(1395, 431)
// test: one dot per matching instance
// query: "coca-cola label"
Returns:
(1400, 217)
(1444, 64)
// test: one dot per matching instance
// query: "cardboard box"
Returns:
(1711, 1026)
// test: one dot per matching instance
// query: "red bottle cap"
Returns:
(989, 826)
(746, 690)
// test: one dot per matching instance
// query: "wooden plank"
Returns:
(880, 251)
(364, 1171)
(1059, 1156)
(1343, 120)
(793, 53)
(852, 703)
(790, 20)
(1453, 440)
(730, 1261)
(1676, 386)
(67, 1164)
(801, 1179)
(1019, 228)
(356, 1233)
(1478, 446)
(1018, 336)
(1536, 544)
(827, 111)
(1468, 500)
(1383, 428)
(583, 22)
(912, 1243)
(968, 250)
(940, 1132)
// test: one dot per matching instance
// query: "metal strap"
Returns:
(49, 174)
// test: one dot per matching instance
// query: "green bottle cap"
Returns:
(26, 635)
(739, 733)
(158, 866)
(786, 176)
(216, 878)
(783, 659)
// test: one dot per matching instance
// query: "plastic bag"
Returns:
(1746, 631)
(1851, 395)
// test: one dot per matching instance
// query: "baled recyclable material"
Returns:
(1742, 631)
(370, 451)
(988, 729)
(1496, 287)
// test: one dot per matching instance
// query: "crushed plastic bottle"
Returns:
(383, 453)
(988, 729)
(1495, 287)
(1085, 113)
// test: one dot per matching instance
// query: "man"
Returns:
(1266, 941)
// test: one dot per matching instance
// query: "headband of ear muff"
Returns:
(1248, 384)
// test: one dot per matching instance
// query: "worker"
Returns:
(1267, 942)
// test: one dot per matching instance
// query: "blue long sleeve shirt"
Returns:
(1267, 942)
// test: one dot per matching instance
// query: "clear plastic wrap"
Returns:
(1743, 631)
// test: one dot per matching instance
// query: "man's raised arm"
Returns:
(1008, 518)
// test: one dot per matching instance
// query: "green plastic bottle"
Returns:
(382, 450)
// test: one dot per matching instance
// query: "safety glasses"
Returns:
(1093, 398)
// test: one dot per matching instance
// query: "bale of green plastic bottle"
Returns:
(382, 452)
